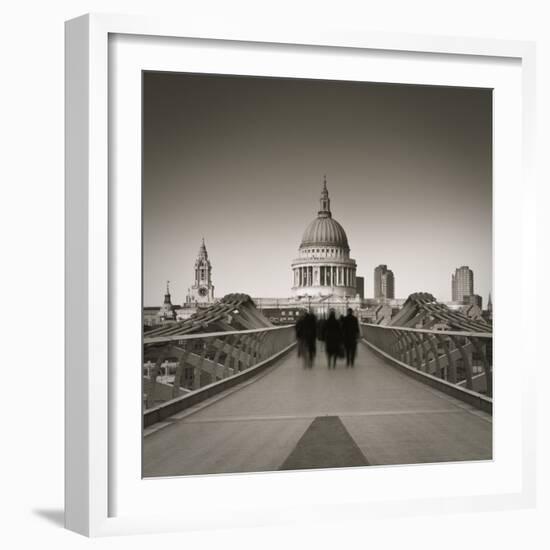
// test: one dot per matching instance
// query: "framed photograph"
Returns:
(288, 263)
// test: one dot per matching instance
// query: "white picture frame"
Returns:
(94, 438)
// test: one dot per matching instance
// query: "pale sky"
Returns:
(240, 161)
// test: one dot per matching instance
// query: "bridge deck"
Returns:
(295, 418)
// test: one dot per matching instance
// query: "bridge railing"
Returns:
(179, 366)
(464, 359)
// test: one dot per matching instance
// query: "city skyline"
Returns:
(366, 294)
(408, 170)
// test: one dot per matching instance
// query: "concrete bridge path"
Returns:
(295, 418)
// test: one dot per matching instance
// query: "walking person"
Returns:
(310, 338)
(333, 338)
(300, 328)
(351, 333)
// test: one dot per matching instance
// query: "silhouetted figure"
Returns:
(350, 332)
(333, 338)
(309, 335)
(300, 328)
(306, 336)
(321, 329)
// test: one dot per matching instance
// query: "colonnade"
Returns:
(324, 275)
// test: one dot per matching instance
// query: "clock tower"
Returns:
(202, 291)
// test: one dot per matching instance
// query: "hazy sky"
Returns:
(240, 161)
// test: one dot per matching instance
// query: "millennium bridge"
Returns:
(225, 391)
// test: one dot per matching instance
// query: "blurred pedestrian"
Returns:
(350, 333)
(310, 338)
(300, 330)
(333, 338)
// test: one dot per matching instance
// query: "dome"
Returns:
(323, 267)
(325, 231)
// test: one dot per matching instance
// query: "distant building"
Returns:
(488, 313)
(323, 266)
(167, 311)
(324, 274)
(283, 315)
(202, 291)
(384, 283)
(474, 300)
(200, 295)
(151, 316)
(462, 283)
(360, 286)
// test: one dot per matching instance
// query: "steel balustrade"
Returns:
(178, 365)
(458, 357)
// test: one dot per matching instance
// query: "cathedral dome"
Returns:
(324, 231)
(323, 267)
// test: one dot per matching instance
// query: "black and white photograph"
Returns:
(317, 274)
(270, 246)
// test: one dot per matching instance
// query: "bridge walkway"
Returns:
(290, 417)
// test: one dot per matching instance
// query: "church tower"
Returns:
(202, 291)
(167, 311)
